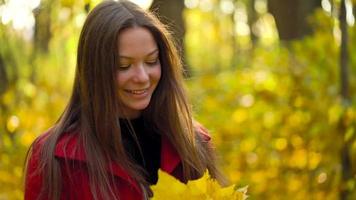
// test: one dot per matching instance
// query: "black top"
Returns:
(150, 143)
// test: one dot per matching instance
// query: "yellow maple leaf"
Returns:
(204, 188)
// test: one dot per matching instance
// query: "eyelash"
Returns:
(150, 63)
(124, 67)
(154, 62)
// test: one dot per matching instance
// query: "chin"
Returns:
(139, 107)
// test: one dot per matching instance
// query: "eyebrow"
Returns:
(149, 54)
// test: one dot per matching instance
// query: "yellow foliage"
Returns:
(67, 3)
(334, 113)
(297, 141)
(269, 119)
(240, 115)
(281, 144)
(12, 123)
(314, 160)
(204, 188)
(27, 138)
(248, 145)
(299, 159)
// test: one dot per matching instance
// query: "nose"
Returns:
(141, 74)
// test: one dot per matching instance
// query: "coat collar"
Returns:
(68, 147)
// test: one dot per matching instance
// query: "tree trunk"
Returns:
(42, 33)
(344, 90)
(291, 17)
(354, 9)
(234, 45)
(252, 18)
(171, 14)
(344, 52)
(87, 6)
(3, 77)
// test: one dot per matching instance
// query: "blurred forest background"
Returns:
(274, 81)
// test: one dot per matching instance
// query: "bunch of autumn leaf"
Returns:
(204, 188)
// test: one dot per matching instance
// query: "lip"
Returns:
(138, 93)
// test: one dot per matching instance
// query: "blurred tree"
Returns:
(252, 18)
(42, 33)
(8, 65)
(9, 72)
(171, 14)
(273, 116)
(3, 76)
(354, 8)
(344, 90)
(3, 87)
(291, 17)
(87, 6)
(344, 52)
(233, 38)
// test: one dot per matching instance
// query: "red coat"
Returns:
(75, 181)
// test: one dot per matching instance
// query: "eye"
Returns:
(123, 67)
(152, 62)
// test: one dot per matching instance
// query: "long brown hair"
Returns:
(93, 109)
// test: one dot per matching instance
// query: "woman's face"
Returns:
(139, 69)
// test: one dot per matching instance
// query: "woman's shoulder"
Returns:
(38, 143)
(33, 160)
(65, 143)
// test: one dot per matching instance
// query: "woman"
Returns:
(127, 116)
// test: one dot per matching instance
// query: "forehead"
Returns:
(136, 42)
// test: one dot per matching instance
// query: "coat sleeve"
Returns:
(33, 176)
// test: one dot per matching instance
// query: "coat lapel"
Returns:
(169, 156)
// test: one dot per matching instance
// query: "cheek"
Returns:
(120, 79)
(158, 73)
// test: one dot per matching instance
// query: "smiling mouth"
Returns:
(137, 92)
